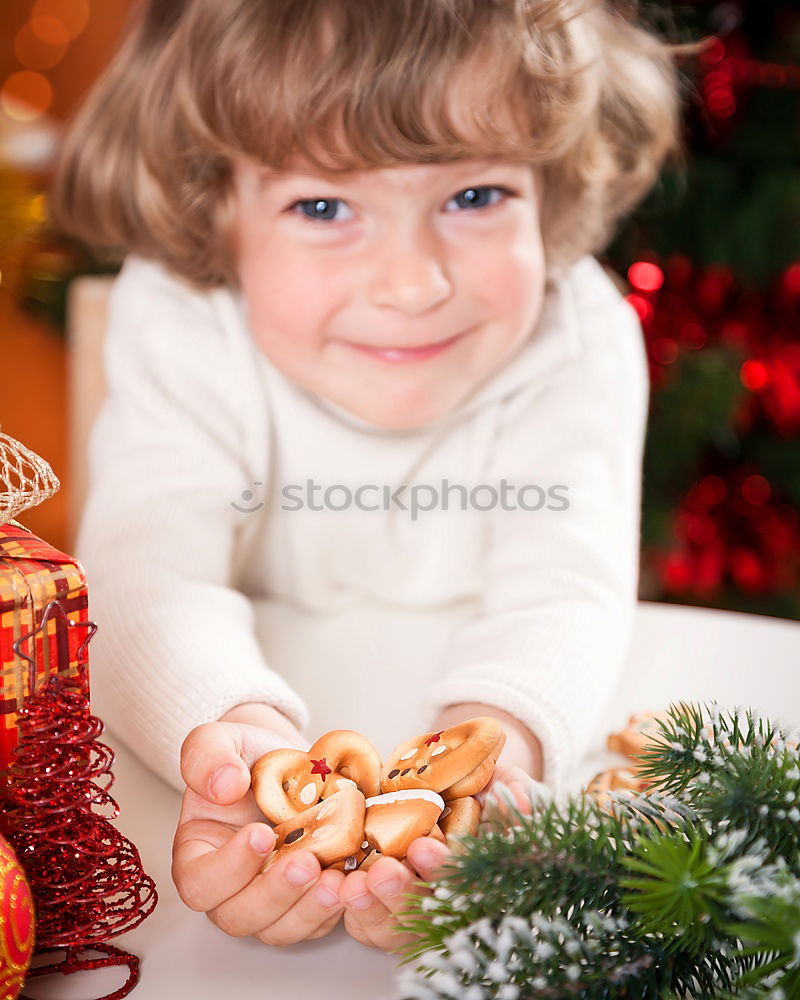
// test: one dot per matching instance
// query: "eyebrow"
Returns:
(269, 175)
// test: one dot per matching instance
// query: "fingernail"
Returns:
(360, 902)
(388, 887)
(262, 839)
(324, 896)
(223, 780)
(428, 859)
(297, 875)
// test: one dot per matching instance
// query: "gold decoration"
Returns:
(25, 478)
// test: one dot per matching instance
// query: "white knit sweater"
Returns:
(211, 588)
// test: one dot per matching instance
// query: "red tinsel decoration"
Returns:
(87, 879)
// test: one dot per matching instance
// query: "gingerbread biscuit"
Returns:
(641, 731)
(437, 834)
(392, 821)
(460, 817)
(369, 860)
(455, 762)
(354, 860)
(613, 779)
(331, 829)
(286, 782)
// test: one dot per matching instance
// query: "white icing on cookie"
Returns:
(406, 793)
(365, 845)
(344, 782)
(410, 754)
(308, 793)
(322, 831)
(446, 812)
(438, 750)
(328, 807)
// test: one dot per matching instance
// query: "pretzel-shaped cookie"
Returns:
(286, 782)
(456, 762)
(640, 733)
(331, 829)
(460, 816)
(334, 800)
(392, 822)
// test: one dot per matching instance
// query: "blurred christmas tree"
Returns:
(712, 258)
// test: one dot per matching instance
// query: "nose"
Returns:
(410, 273)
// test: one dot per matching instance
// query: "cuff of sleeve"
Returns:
(279, 696)
(131, 719)
(543, 720)
(282, 698)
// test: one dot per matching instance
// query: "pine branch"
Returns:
(662, 899)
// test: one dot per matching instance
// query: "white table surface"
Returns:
(677, 653)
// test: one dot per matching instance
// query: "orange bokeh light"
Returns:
(73, 14)
(26, 95)
(51, 30)
(41, 43)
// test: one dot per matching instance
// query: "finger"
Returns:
(314, 915)
(428, 857)
(212, 764)
(361, 908)
(501, 797)
(233, 817)
(211, 862)
(522, 797)
(393, 885)
(282, 905)
(515, 794)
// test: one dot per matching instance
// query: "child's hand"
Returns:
(517, 782)
(222, 842)
(373, 921)
(372, 898)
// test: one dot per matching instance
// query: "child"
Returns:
(370, 456)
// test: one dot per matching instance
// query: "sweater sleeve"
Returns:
(556, 616)
(176, 644)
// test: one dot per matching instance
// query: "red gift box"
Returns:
(32, 575)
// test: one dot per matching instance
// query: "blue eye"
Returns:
(321, 209)
(473, 197)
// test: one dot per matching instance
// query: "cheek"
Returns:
(509, 273)
(289, 299)
(515, 281)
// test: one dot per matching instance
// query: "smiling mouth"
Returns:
(406, 353)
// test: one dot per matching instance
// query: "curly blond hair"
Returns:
(579, 89)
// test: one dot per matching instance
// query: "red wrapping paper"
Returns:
(32, 574)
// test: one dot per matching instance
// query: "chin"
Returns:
(398, 418)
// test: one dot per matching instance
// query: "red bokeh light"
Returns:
(645, 276)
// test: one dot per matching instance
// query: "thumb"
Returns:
(212, 763)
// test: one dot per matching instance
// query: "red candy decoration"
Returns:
(321, 767)
(434, 738)
(16, 923)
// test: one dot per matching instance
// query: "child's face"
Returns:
(335, 272)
